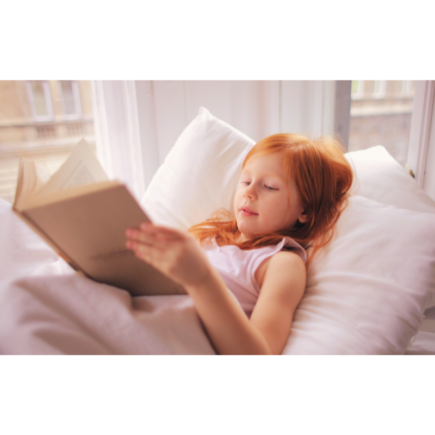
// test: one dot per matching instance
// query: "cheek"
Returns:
(278, 204)
(236, 201)
(278, 210)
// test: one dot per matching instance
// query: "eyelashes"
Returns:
(267, 187)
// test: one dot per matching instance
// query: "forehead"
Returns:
(269, 164)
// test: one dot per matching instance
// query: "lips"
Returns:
(247, 210)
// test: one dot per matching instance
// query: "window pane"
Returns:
(382, 116)
(39, 102)
(357, 89)
(68, 98)
(354, 87)
(48, 142)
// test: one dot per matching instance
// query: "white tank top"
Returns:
(237, 267)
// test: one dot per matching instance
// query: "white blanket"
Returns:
(47, 308)
(71, 314)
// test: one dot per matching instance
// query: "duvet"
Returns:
(48, 308)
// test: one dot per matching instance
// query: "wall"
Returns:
(257, 108)
(138, 122)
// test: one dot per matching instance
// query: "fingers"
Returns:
(144, 236)
(151, 241)
(144, 252)
(145, 246)
(160, 229)
(149, 232)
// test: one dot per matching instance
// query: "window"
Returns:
(39, 96)
(379, 89)
(407, 87)
(357, 89)
(383, 117)
(45, 126)
(70, 95)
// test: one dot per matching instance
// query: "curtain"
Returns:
(117, 132)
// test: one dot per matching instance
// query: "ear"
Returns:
(303, 217)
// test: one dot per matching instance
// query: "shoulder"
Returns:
(283, 264)
(287, 257)
(283, 285)
(284, 279)
(286, 265)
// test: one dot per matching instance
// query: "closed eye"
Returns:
(267, 187)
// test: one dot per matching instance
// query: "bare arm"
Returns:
(227, 326)
(282, 290)
(231, 332)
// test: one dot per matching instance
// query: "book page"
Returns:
(20, 189)
(42, 175)
(31, 177)
(61, 195)
(81, 167)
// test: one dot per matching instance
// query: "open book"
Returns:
(83, 216)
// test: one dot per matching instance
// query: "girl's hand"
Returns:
(172, 252)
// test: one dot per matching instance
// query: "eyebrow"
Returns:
(268, 174)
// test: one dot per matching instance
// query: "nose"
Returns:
(250, 192)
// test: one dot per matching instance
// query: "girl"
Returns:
(247, 275)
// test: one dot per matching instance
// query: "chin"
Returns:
(246, 231)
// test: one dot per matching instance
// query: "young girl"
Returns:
(247, 275)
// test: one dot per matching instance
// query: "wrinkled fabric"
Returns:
(71, 314)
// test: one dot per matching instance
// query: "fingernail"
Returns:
(145, 225)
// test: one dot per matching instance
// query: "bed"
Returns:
(372, 291)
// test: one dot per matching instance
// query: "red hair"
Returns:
(323, 178)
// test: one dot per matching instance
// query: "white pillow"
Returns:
(199, 174)
(366, 292)
(381, 178)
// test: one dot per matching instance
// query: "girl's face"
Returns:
(263, 189)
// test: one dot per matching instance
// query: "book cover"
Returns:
(83, 216)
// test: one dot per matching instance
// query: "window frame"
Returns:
(48, 101)
(379, 93)
(422, 131)
(77, 101)
(359, 94)
(422, 125)
(406, 88)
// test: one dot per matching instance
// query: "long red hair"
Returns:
(323, 178)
